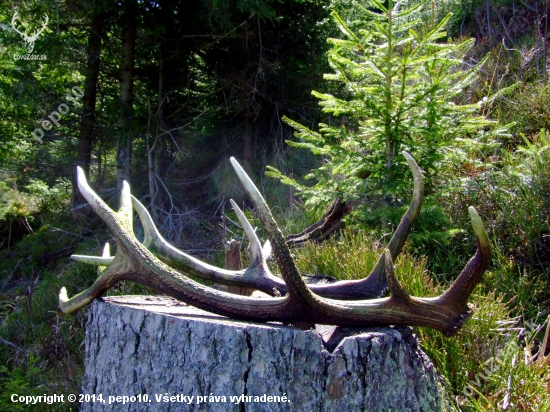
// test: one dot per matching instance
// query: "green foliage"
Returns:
(486, 362)
(31, 89)
(41, 350)
(525, 204)
(19, 381)
(34, 204)
(515, 200)
(528, 108)
(400, 82)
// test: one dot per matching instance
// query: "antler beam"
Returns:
(133, 261)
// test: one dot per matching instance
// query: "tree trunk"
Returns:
(156, 149)
(150, 347)
(86, 137)
(124, 142)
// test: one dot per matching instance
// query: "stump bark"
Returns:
(159, 351)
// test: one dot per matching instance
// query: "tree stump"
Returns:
(164, 355)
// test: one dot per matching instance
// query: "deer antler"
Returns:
(133, 261)
(258, 276)
(29, 40)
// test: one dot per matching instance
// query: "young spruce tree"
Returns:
(401, 81)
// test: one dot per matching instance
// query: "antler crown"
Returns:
(159, 265)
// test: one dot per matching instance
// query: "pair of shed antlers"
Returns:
(162, 267)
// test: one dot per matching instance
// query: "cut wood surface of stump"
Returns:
(174, 357)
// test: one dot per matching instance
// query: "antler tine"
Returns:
(402, 232)
(115, 221)
(45, 23)
(125, 211)
(151, 235)
(93, 260)
(256, 252)
(106, 255)
(296, 285)
(404, 228)
(471, 275)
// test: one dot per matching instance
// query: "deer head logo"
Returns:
(29, 40)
